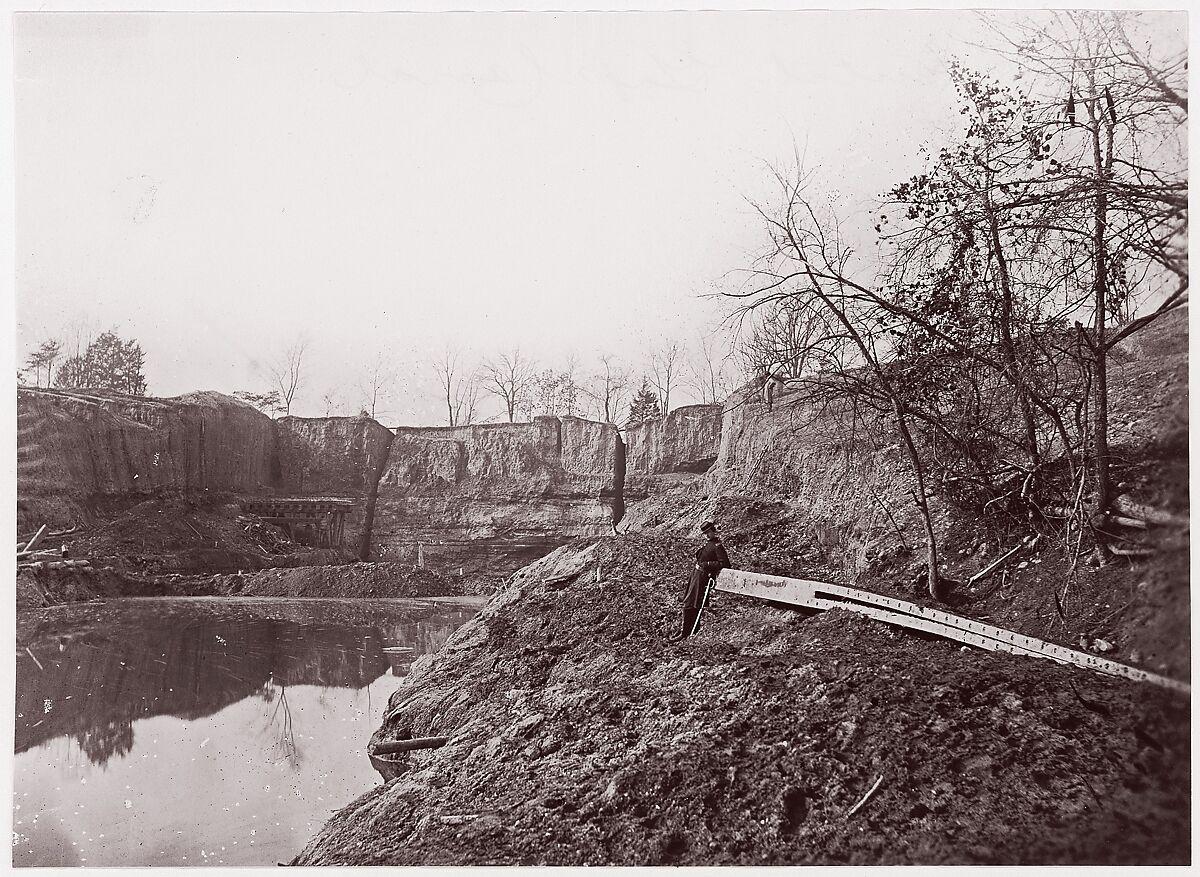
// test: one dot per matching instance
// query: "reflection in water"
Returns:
(185, 711)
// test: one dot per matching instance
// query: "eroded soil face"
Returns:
(579, 735)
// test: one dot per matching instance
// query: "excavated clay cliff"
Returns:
(77, 448)
(489, 496)
(848, 488)
(496, 495)
(684, 443)
(836, 483)
(336, 457)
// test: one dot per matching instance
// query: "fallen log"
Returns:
(41, 555)
(1147, 513)
(1135, 523)
(457, 818)
(388, 747)
(29, 546)
(1131, 552)
(52, 535)
(35, 660)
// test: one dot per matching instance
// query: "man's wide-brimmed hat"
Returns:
(708, 527)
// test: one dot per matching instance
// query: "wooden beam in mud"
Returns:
(388, 747)
(822, 595)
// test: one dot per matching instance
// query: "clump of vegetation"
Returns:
(107, 363)
(1052, 229)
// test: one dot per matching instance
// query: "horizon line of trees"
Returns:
(105, 362)
(522, 388)
(611, 392)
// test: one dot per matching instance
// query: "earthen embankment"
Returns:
(77, 448)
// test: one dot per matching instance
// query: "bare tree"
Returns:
(570, 393)
(510, 379)
(331, 399)
(460, 387)
(1116, 104)
(607, 388)
(666, 362)
(555, 393)
(287, 373)
(781, 339)
(809, 265)
(376, 384)
(708, 369)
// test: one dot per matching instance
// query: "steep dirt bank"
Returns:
(333, 456)
(579, 736)
(809, 495)
(77, 448)
(841, 490)
(496, 496)
(485, 497)
(55, 587)
(158, 546)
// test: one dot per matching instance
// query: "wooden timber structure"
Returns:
(323, 515)
(822, 595)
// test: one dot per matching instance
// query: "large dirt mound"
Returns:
(386, 579)
(177, 533)
(51, 587)
(579, 736)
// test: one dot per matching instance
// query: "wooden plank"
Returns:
(891, 610)
(32, 543)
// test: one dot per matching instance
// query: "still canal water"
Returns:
(203, 731)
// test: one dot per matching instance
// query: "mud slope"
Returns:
(579, 736)
(385, 579)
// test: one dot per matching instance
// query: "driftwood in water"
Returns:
(389, 746)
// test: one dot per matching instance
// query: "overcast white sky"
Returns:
(215, 185)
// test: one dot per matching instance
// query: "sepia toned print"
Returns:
(601, 438)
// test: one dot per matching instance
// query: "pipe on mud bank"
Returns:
(389, 746)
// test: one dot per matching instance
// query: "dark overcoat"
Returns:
(710, 560)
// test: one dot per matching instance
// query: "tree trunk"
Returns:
(931, 556)
(1007, 344)
(1100, 456)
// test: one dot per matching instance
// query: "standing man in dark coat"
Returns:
(710, 560)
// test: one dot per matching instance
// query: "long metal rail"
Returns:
(821, 595)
